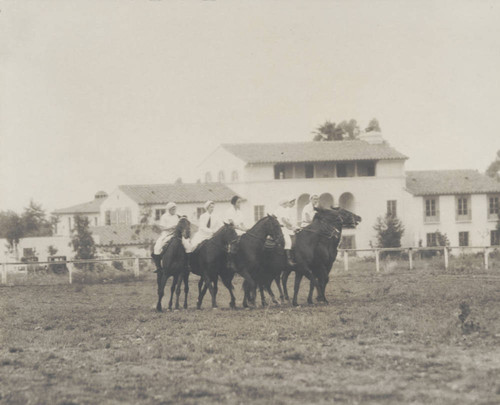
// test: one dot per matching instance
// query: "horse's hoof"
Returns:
(215, 308)
(295, 304)
(185, 307)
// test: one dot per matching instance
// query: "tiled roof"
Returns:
(178, 193)
(446, 182)
(121, 234)
(84, 208)
(312, 151)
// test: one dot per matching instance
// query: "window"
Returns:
(463, 208)
(391, 208)
(208, 177)
(279, 172)
(258, 212)
(159, 212)
(345, 169)
(366, 169)
(431, 209)
(309, 171)
(234, 175)
(221, 177)
(495, 237)
(95, 221)
(107, 218)
(431, 239)
(463, 239)
(348, 242)
(199, 212)
(493, 206)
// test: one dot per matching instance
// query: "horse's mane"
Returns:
(262, 220)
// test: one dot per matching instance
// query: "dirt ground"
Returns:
(384, 338)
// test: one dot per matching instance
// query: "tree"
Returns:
(493, 169)
(52, 250)
(373, 125)
(350, 128)
(34, 221)
(11, 228)
(389, 230)
(329, 131)
(82, 241)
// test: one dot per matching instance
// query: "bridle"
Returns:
(331, 230)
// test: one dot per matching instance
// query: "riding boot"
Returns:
(289, 258)
(157, 262)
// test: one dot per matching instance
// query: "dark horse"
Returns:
(174, 263)
(209, 261)
(316, 250)
(249, 255)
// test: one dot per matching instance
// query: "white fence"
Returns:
(343, 257)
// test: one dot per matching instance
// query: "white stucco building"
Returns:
(366, 176)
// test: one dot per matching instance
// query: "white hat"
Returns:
(171, 205)
(283, 201)
(207, 204)
(313, 195)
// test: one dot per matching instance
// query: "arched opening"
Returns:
(302, 201)
(325, 200)
(346, 201)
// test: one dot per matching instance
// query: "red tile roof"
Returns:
(121, 234)
(91, 207)
(312, 151)
(448, 182)
(178, 193)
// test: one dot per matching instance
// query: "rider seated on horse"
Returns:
(208, 224)
(234, 216)
(283, 213)
(308, 211)
(167, 224)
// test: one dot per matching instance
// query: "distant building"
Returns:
(366, 176)
(90, 209)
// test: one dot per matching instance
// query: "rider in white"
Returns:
(167, 224)
(234, 216)
(283, 213)
(308, 211)
(208, 224)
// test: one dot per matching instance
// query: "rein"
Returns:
(331, 231)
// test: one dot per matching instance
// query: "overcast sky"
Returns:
(94, 94)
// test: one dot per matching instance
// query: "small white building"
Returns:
(90, 209)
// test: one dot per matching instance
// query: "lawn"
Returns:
(390, 337)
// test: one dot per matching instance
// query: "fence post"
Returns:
(346, 261)
(4, 273)
(377, 259)
(486, 257)
(136, 267)
(70, 272)
(445, 251)
(410, 256)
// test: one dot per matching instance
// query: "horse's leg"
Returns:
(284, 280)
(269, 290)
(161, 279)
(245, 295)
(262, 298)
(202, 288)
(214, 295)
(186, 289)
(172, 289)
(229, 285)
(310, 296)
(298, 277)
(277, 280)
(178, 290)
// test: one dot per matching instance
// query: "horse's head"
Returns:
(183, 228)
(349, 219)
(273, 229)
(228, 233)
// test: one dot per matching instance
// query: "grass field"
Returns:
(392, 337)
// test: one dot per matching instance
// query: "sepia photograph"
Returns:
(249, 202)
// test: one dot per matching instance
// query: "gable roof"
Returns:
(312, 151)
(91, 207)
(178, 193)
(449, 182)
(122, 234)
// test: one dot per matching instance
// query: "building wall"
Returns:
(479, 226)
(40, 245)
(222, 160)
(63, 226)
(118, 200)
